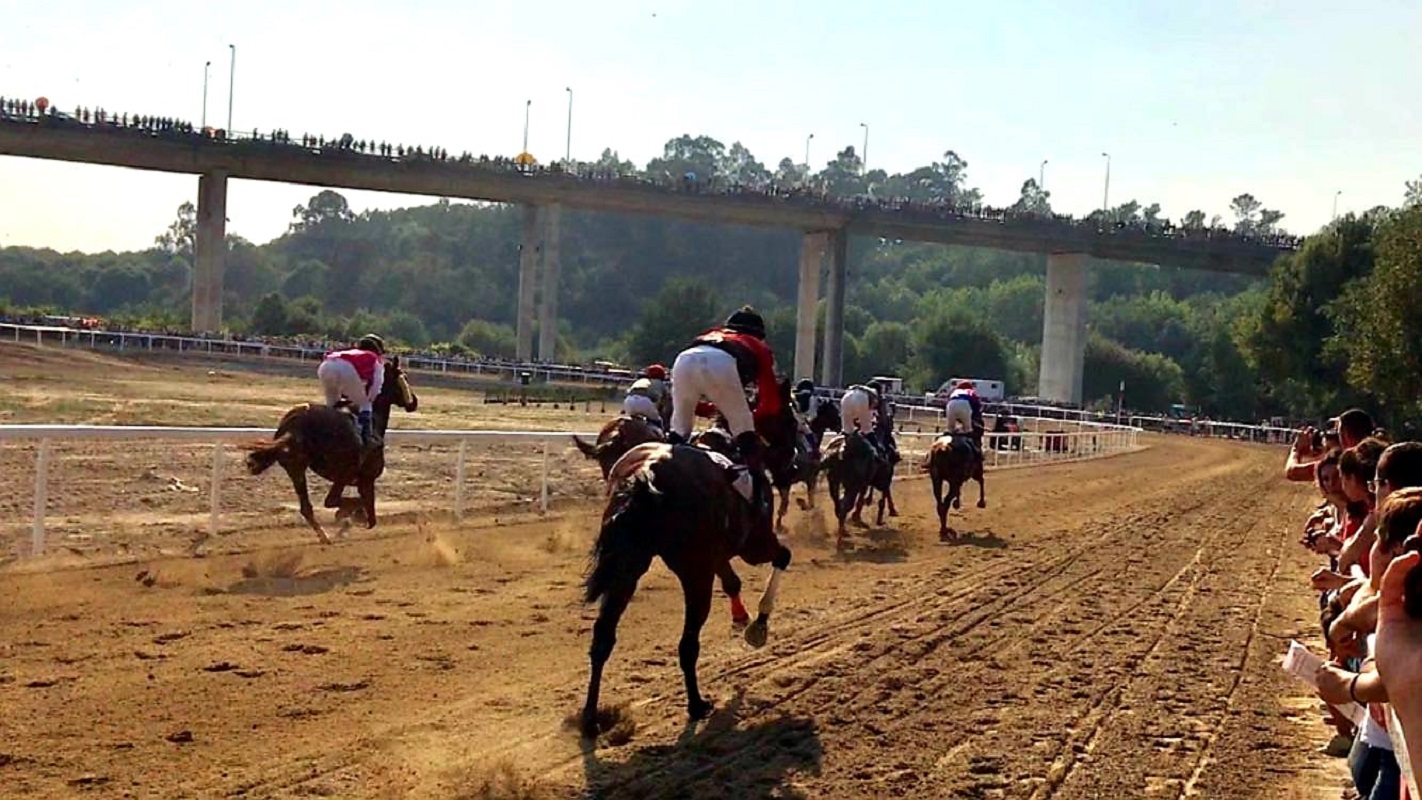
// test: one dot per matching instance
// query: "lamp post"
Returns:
(807, 154)
(205, 69)
(568, 146)
(1042, 176)
(1335, 203)
(1106, 192)
(864, 156)
(231, 83)
(526, 106)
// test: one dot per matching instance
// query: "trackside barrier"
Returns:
(220, 437)
(1003, 451)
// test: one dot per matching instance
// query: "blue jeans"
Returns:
(1376, 775)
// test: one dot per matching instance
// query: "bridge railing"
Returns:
(183, 444)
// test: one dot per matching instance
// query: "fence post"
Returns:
(41, 497)
(216, 498)
(459, 479)
(543, 494)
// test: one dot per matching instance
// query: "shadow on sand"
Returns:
(875, 546)
(716, 759)
(986, 540)
(317, 582)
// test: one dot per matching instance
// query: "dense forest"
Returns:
(1333, 324)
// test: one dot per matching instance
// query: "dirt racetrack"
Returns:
(1112, 629)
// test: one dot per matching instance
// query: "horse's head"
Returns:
(616, 438)
(396, 388)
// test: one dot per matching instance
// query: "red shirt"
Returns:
(756, 364)
(366, 362)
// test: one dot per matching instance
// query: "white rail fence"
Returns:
(1003, 451)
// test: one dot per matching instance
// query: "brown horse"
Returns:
(676, 503)
(952, 460)
(616, 438)
(327, 442)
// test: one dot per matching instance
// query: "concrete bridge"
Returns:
(826, 224)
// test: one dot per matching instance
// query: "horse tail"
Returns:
(625, 545)
(265, 454)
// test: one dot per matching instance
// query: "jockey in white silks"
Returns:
(807, 407)
(648, 395)
(856, 409)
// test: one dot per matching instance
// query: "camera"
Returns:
(1317, 441)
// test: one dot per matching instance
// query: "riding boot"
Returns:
(367, 431)
(748, 444)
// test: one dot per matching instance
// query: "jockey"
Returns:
(807, 406)
(965, 413)
(856, 411)
(648, 396)
(357, 374)
(718, 366)
(884, 426)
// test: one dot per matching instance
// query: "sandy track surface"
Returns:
(1111, 630)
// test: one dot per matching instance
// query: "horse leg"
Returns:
(759, 630)
(603, 639)
(333, 498)
(889, 495)
(879, 520)
(731, 585)
(860, 497)
(366, 487)
(941, 507)
(303, 496)
(696, 592)
(784, 506)
(982, 490)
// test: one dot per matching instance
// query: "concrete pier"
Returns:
(813, 248)
(548, 291)
(528, 257)
(1064, 329)
(210, 252)
(832, 370)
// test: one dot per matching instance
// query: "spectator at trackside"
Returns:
(1354, 425)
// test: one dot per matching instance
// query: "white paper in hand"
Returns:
(1303, 664)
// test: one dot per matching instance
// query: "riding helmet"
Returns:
(656, 372)
(748, 321)
(804, 385)
(372, 342)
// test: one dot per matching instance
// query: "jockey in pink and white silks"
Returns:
(358, 375)
(965, 412)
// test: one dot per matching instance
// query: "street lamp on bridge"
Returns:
(1106, 192)
(864, 155)
(526, 106)
(231, 82)
(1042, 176)
(205, 69)
(568, 146)
(807, 154)
(1335, 203)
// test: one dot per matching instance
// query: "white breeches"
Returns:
(960, 416)
(339, 378)
(641, 405)
(854, 412)
(704, 371)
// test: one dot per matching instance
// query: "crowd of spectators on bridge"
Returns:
(1370, 595)
(809, 194)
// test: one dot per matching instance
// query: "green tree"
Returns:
(950, 342)
(270, 317)
(1033, 200)
(1412, 196)
(488, 338)
(1153, 381)
(180, 239)
(680, 311)
(324, 208)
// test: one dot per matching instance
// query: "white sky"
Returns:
(1196, 102)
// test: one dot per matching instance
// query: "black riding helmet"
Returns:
(372, 342)
(748, 321)
(804, 385)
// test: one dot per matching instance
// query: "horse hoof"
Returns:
(699, 709)
(589, 726)
(957, 504)
(323, 536)
(893, 513)
(739, 623)
(757, 633)
(982, 504)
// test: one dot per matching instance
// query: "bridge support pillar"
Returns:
(1064, 329)
(528, 257)
(548, 293)
(812, 252)
(209, 252)
(832, 370)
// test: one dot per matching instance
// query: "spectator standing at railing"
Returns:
(1352, 427)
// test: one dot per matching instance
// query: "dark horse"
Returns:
(616, 438)
(678, 504)
(952, 460)
(803, 468)
(851, 466)
(326, 441)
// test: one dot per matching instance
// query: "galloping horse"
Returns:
(676, 503)
(326, 441)
(616, 438)
(803, 468)
(952, 460)
(851, 465)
